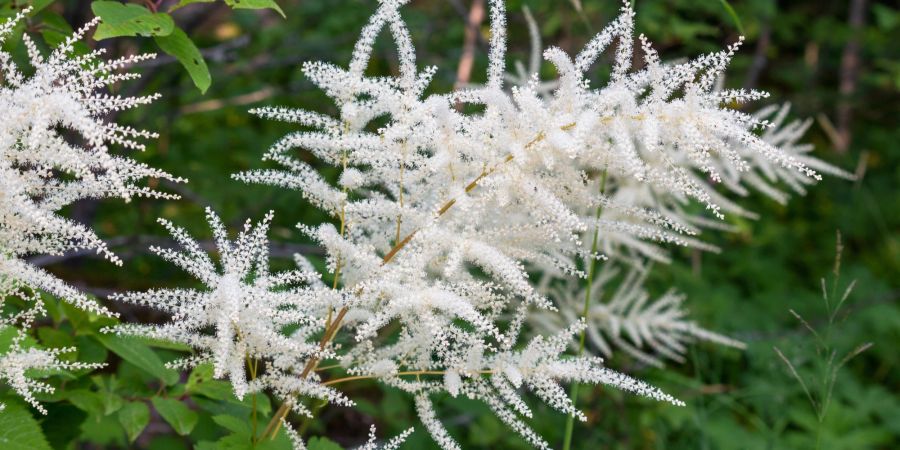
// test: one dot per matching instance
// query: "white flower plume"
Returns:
(54, 150)
(55, 138)
(21, 365)
(623, 316)
(242, 312)
(442, 212)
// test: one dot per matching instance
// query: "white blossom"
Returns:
(392, 444)
(54, 150)
(440, 214)
(55, 141)
(622, 315)
(239, 318)
(21, 364)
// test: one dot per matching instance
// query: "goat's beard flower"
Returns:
(440, 214)
(21, 365)
(238, 322)
(54, 150)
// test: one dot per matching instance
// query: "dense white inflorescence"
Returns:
(20, 359)
(445, 206)
(237, 322)
(441, 211)
(634, 219)
(54, 150)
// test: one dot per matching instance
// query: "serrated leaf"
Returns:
(179, 45)
(134, 417)
(129, 19)
(140, 355)
(19, 430)
(177, 414)
(255, 4)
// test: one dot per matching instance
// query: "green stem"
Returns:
(573, 393)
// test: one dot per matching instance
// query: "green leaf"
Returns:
(129, 19)
(134, 417)
(53, 338)
(19, 430)
(103, 432)
(76, 317)
(322, 443)
(281, 442)
(184, 3)
(51, 305)
(164, 344)
(62, 424)
(233, 424)
(214, 389)
(183, 49)
(111, 402)
(176, 413)
(201, 374)
(734, 16)
(236, 441)
(87, 401)
(7, 334)
(90, 350)
(9, 9)
(240, 440)
(255, 4)
(140, 355)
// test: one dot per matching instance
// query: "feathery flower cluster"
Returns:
(54, 150)
(19, 361)
(237, 321)
(440, 214)
(633, 218)
(626, 317)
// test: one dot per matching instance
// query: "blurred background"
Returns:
(836, 61)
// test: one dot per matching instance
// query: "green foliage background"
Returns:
(736, 400)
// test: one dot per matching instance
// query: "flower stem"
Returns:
(573, 394)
